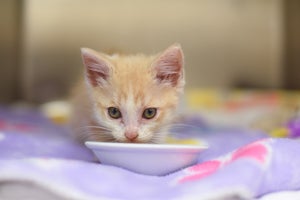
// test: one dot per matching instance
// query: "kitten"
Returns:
(127, 98)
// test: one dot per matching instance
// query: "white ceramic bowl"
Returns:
(149, 159)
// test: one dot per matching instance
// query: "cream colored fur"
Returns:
(131, 83)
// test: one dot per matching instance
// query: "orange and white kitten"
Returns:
(129, 98)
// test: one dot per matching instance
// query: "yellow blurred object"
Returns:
(279, 132)
(57, 111)
(171, 140)
(203, 98)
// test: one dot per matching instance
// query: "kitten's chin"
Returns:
(154, 140)
(143, 138)
(140, 141)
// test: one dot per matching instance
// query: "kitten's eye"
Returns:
(149, 113)
(114, 113)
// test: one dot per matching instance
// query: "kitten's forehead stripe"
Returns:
(130, 109)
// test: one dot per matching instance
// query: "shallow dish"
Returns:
(149, 159)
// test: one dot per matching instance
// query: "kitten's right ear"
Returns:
(97, 68)
(168, 67)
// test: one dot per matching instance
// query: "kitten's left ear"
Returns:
(168, 67)
(97, 67)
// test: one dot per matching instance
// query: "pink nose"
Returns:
(131, 135)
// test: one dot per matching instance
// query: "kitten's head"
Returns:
(134, 97)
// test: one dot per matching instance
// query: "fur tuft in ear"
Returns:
(168, 66)
(97, 68)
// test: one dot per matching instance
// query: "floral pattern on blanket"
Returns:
(258, 151)
(239, 163)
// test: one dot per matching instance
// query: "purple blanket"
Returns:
(239, 164)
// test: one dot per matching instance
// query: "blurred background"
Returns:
(227, 44)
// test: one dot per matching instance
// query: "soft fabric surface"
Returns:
(240, 164)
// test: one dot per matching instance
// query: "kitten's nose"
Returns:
(131, 134)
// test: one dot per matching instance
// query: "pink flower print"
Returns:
(16, 126)
(257, 151)
(24, 127)
(200, 171)
(3, 125)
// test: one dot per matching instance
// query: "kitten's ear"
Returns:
(97, 68)
(168, 67)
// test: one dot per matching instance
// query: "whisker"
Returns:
(98, 135)
(158, 137)
(177, 125)
(96, 138)
(94, 127)
(87, 132)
